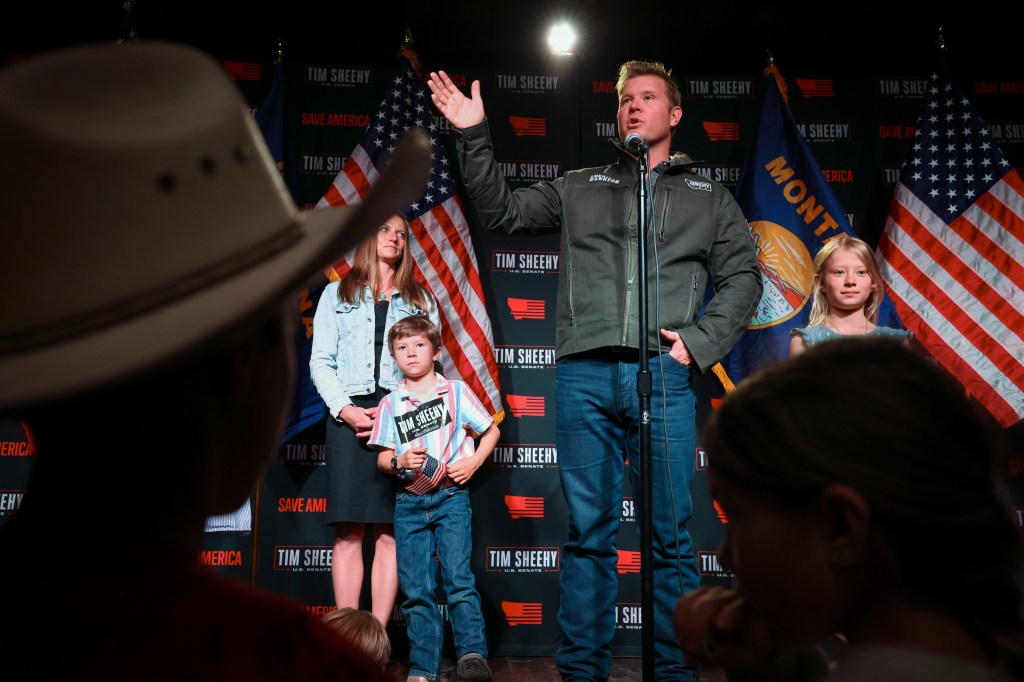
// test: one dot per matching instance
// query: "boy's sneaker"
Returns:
(473, 668)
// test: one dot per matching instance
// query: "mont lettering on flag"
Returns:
(792, 212)
(952, 254)
(444, 259)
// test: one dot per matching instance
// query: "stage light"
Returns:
(562, 38)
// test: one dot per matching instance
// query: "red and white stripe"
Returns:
(446, 264)
(960, 288)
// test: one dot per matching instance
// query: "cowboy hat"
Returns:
(143, 216)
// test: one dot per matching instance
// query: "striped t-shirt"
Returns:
(445, 425)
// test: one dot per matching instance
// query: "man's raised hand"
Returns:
(461, 112)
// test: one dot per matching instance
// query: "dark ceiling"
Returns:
(801, 35)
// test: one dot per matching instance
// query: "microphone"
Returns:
(635, 144)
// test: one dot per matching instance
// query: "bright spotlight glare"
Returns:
(562, 38)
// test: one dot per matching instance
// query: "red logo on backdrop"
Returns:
(837, 175)
(522, 613)
(895, 132)
(999, 87)
(815, 87)
(528, 126)
(16, 448)
(526, 405)
(527, 309)
(721, 512)
(319, 610)
(221, 558)
(322, 118)
(601, 87)
(522, 507)
(629, 562)
(302, 504)
(242, 71)
(722, 132)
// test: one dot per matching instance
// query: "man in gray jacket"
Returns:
(695, 231)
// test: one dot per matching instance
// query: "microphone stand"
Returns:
(644, 390)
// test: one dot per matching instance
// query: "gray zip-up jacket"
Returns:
(698, 231)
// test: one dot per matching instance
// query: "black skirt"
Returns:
(357, 491)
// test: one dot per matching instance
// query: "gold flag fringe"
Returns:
(410, 54)
(772, 70)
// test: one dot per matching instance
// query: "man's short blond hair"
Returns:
(636, 67)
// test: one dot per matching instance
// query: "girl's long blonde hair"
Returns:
(860, 249)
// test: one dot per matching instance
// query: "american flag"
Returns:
(443, 251)
(428, 477)
(952, 254)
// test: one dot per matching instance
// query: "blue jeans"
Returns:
(598, 430)
(438, 521)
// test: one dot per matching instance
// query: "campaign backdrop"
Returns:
(858, 126)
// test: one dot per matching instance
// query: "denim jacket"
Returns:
(342, 353)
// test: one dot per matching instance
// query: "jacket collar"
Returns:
(677, 160)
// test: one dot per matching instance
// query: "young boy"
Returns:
(424, 431)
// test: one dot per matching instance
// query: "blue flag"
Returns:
(307, 406)
(792, 212)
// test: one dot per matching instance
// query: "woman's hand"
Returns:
(359, 419)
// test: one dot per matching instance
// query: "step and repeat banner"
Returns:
(545, 122)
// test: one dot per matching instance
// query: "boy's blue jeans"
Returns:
(440, 521)
(597, 431)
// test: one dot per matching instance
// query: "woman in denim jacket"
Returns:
(352, 374)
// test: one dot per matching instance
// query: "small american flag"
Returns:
(952, 254)
(443, 251)
(428, 477)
